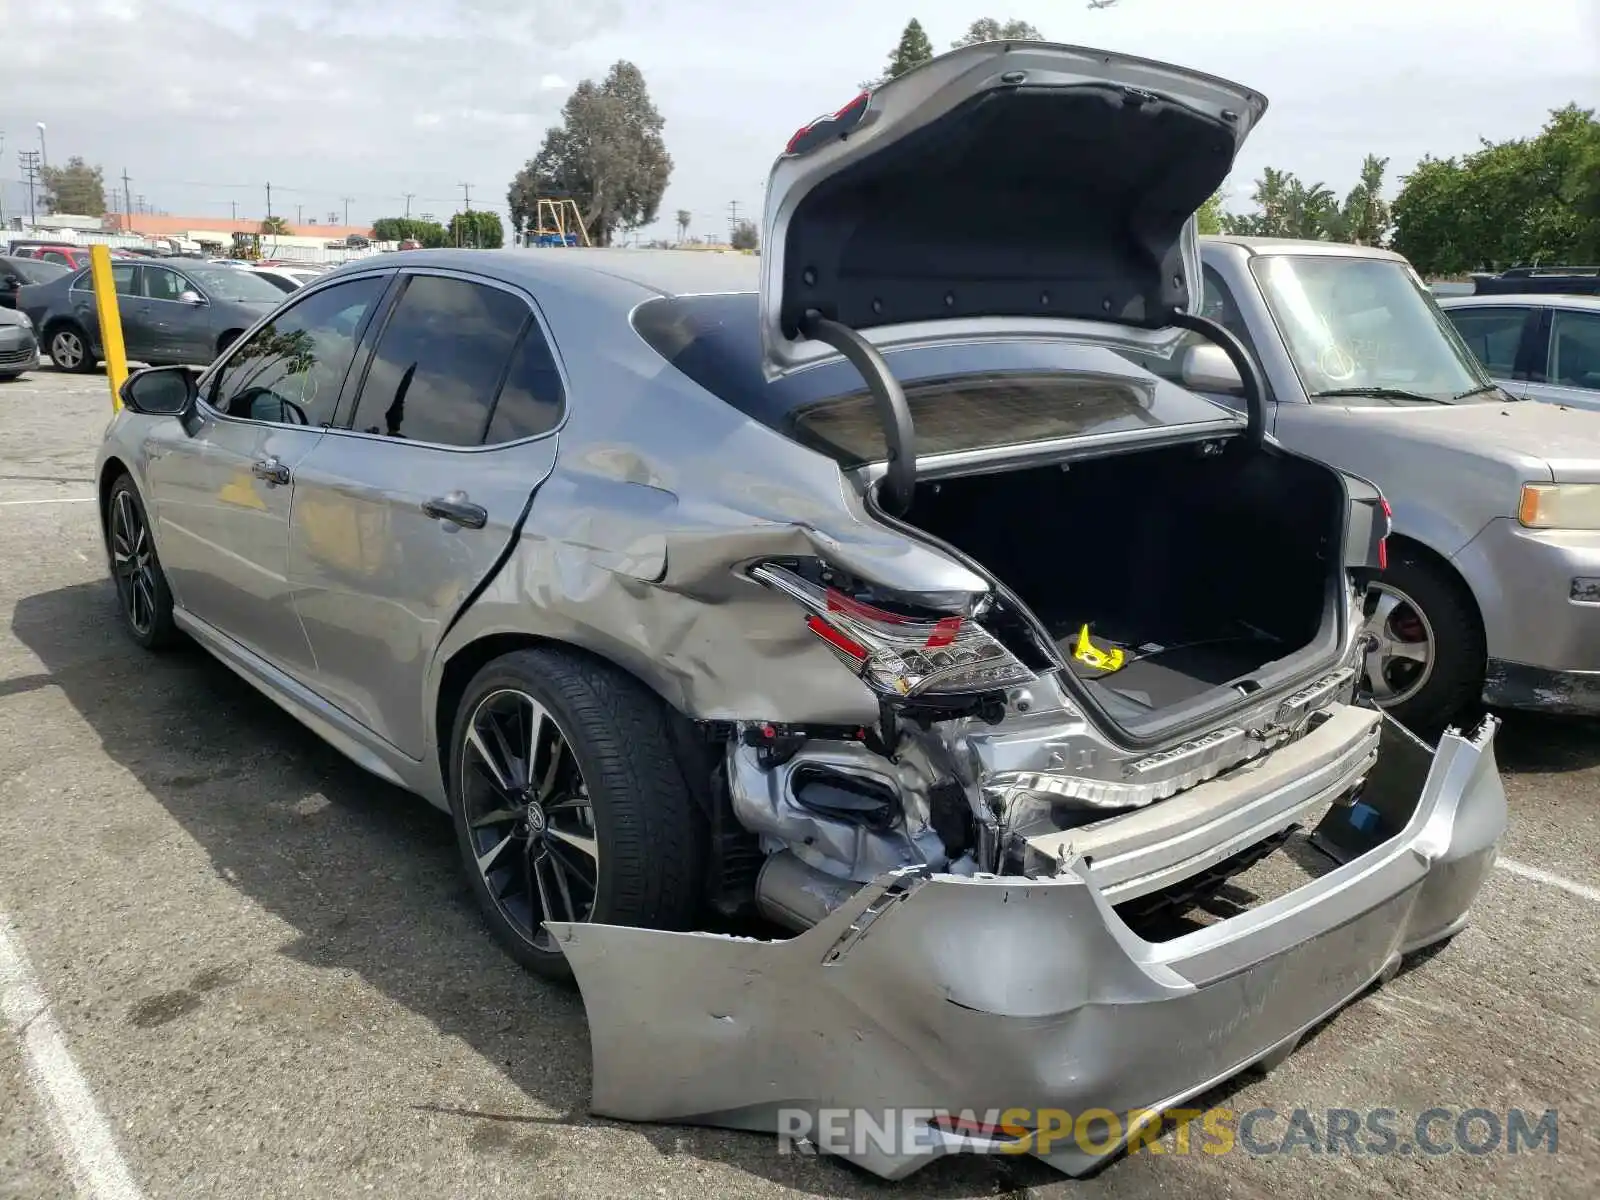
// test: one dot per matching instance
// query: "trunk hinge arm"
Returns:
(1255, 388)
(890, 400)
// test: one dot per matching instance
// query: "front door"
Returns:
(178, 327)
(223, 492)
(400, 518)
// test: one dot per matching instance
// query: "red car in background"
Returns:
(72, 257)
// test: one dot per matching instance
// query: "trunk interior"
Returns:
(1201, 568)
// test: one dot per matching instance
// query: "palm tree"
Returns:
(683, 223)
(275, 225)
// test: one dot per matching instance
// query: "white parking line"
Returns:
(53, 500)
(1523, 871)
(82, 1135)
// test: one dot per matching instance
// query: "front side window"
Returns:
(56, 256)
(162, 284)
(1365, 327)
(1492, 334)
(291, 369)
(232, 284)
(1575, 348)
(440, 362)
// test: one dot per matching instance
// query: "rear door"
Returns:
(400, 517)
(136, 337)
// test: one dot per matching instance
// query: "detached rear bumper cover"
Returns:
(955, 993)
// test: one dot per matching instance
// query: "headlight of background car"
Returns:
(1560, 506)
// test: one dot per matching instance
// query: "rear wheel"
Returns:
(142, 593)
(1427, 663)
(69, 350)
(570, 804)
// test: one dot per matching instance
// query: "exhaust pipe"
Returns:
(796, 896)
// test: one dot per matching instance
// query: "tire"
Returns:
(628, 796)
(68, 347)
(1442, 612)
(143, 598)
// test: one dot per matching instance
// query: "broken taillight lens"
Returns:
(899, 655)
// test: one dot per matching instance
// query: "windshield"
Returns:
(1355, 325)
(225, 283)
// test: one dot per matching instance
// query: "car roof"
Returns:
(1541, 299)
(661, 272)
(1277, 245)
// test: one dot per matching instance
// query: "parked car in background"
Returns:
(170, 313)
(1535, 281)
(71, 257)
(17, 271)
(1490, 589)
(930, 630)
(1537, 346)
(19, 348)
(285, 279)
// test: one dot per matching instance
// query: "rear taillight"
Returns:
(1388, 528)
(896, 654)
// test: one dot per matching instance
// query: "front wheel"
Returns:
(1427, 660)
(143, 597)
(570, 804)
(69, 350)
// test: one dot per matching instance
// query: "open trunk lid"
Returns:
(1006, 179)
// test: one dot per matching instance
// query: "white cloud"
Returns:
(551, 83)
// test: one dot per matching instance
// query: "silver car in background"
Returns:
(1538, 347)
(874, 604)
(1492, 588)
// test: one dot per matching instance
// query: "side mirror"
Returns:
(161, 391)
(191, 297)
(1207, 368)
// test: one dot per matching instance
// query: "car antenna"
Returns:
(888, 397)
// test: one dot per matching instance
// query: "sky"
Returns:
(204, 103)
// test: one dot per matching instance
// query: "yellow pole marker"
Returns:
(105, 303)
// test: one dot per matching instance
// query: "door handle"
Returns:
(456, 509)
(271, 470)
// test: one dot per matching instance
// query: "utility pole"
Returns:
(142, 205)
(2, 187)
(269, 202)
(410, 196)
(733, 219)
(44, 155)
(30, 176)
(127, 205)
(466, 192)
(346, 200)
(235, 206)
(299, 214)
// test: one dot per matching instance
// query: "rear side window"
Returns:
(1575, 348)
(440, 362)
(531, 400)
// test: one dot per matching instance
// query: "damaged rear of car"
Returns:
(1006, 644)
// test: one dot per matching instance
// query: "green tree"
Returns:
(1528, 200)
(399, 229)
(1365, 218)
(745, 236)
(1210, 215)
(478, 230)
(1286, 207)
(76, 188)
(607, 155)
(912, 51)
(987, 29)
(275, 225)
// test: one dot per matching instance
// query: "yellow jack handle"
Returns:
(1091, 655)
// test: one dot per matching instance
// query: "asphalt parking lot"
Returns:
(242, 967)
